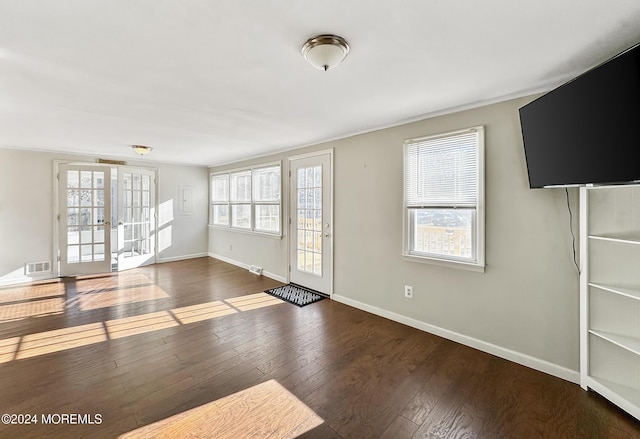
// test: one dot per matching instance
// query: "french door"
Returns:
(84, 221)
(311, 229)
(107, 218)
(136, 218)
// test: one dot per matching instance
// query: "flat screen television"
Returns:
(586, 131)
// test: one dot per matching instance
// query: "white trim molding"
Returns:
(161, 260)
(490, 348)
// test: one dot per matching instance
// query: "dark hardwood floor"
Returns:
(139, 347)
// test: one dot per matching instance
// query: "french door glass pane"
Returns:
(73, 235)
(73, 197)
(73, 254)
(309, 207)
(98, 180)
(85, 179)
(98, 252)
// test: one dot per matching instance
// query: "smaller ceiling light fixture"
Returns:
(141, 149)
(324, 52)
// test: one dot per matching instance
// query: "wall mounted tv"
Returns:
(587, 130)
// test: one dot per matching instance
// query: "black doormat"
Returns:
(295, 294)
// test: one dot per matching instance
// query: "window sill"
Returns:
(246, 232)
(460, 265)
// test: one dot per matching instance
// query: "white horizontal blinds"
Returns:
(442, 171)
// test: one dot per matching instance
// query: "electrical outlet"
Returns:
(230, 247)
(408, 291)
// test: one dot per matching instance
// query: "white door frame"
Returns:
(291, 240)
(56, 204)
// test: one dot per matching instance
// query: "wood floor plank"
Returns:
(173, 345)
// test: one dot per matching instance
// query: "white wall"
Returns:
(524, 307)
(188, 235)
(26, 210)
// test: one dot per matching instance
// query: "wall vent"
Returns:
(255, 270)
(111, 162)
(37, 267)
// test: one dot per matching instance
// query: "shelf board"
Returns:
(625, 397)
(631, 344)
(623, 238)
(633, 293)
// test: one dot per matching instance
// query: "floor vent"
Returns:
(255, 270)
(37, 267)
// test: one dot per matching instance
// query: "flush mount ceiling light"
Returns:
(141, 149)
(324, 52)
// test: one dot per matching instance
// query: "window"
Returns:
(220, 199)
(444, 199)
(240, 199)
(247, 199)
(266, 199)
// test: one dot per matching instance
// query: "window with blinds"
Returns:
(443, 197)
(247, 199)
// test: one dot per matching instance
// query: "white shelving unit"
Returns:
(610, 293)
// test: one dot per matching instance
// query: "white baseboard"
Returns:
(161, 260)
(508, 354)
(246, 266)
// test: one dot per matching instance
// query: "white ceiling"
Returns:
(209, 82)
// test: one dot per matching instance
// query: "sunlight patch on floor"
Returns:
(20, 294)
(60, 339)
(8, 348)
(266, 410)
(141, 324)
(253, 301)
(38, 308)
(46, 342)
(119, 296)
(202, 311)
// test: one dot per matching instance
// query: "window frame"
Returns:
(478, 232)
(230, 202)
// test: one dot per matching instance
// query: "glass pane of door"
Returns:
(309, 214)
